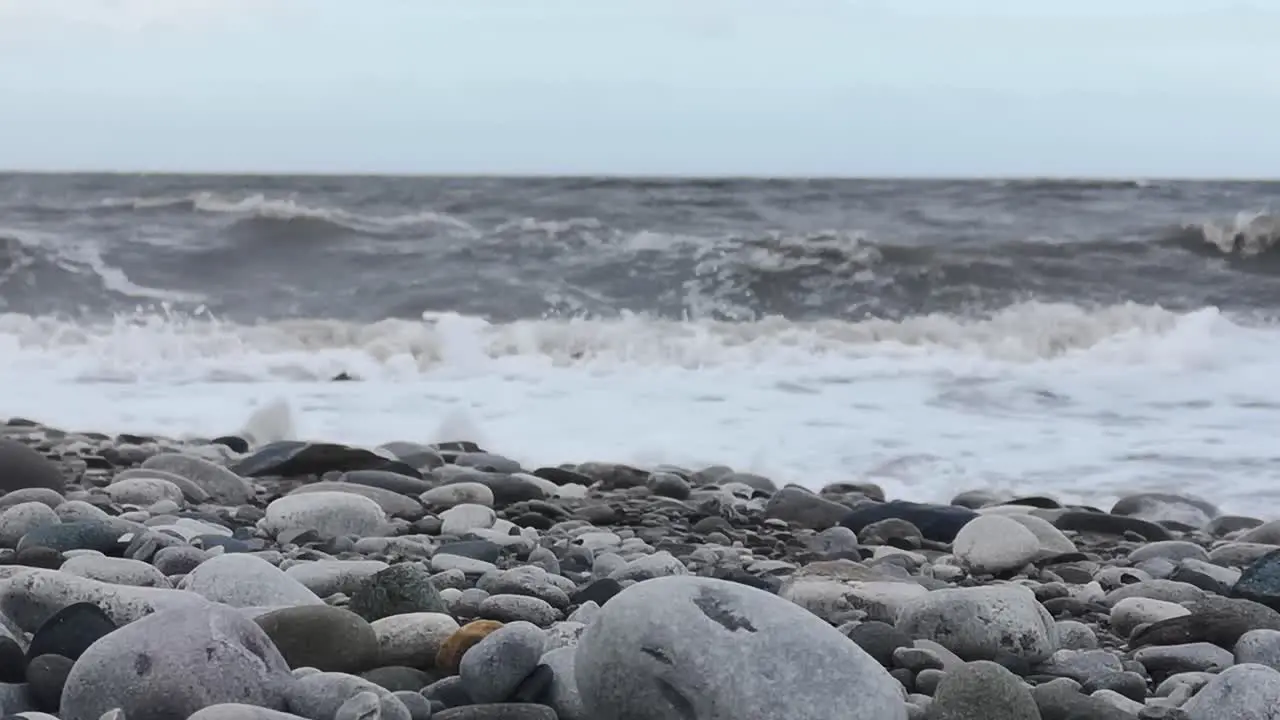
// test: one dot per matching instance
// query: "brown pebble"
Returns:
(451, 651)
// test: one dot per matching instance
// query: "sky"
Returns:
(1155, 88)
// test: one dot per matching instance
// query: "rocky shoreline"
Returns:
(146, 578)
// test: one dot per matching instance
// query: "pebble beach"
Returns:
(147, 578)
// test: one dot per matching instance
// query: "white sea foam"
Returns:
(1086, 404)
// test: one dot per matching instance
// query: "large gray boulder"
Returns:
(983, 623)
(173, 663)
(1241, 692)
(687, 646)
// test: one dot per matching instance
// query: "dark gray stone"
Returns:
(323, 637)
(982, 690)
(939, 523)
(22, 467)
(803, 508)
(398, 590)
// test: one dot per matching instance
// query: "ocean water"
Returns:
(1080, 339)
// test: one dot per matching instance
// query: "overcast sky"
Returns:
(761, 87)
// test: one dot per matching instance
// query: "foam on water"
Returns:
(1084, 403)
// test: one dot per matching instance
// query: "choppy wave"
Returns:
(1247, 235)
(39, 264)
(259, 206)
(175, 347)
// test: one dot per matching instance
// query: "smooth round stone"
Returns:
(327, 577)
(173, 663)
(46, 678)
(13, 661)
(510, 608)
(144, 491)
(983, 623)
(493, 668)
(178, 559)
(322, 637)
(461, 519)
(328, 514)
(412, 639)
(52, 498)
(982, 690)
(1259, 647)
(22, 468)
(689, 646)
(1241, 692)
(387, 480)
(994, 544)
(398, 590)
(499, 711)
(101, 535)
(222, 485)
(449, 656)
(20, 519)
(118, 571)
(398, 677)
(392, 503)
(70, 631)
(240, 711)
(192, 492)
(460, 493)
(242, 580)
(323, 694)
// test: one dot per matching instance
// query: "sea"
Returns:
(1080, 339)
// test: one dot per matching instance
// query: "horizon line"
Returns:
(686, 177)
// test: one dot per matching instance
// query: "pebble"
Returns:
(992, 544)
(419, 581)
(413, 639)
(492, 669)
(243, 580)
(982, 623)
(982, 690)
(322, 637)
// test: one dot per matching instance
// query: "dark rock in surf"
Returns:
(1105, 524)
(291, 458)
(939, 523)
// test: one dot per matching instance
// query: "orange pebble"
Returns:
(451, 651)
